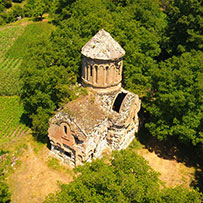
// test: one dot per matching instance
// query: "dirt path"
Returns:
(172, 173)
(34, 180)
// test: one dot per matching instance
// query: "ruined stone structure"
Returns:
(105, 119)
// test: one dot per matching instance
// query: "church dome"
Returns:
(103, 47)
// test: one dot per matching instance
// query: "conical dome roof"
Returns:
(103, 46)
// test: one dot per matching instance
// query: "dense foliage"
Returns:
(185, 30)
(4, 191)
(127, 178)
(176, 99)
(45, 83)
(9, 13)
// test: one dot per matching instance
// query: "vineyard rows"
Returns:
(7, 37)
(10, 118)
(9, 76)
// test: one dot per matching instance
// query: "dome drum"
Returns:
(100, 73)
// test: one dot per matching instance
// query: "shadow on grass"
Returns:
(38, 19)
(172, 149)
(24, 119)
(28, 122)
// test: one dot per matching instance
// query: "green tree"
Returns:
(40, 8)
(45, 83)
(117, 182)
(185, 29)
(126, 178)
(36, 8)
(180, 195)
(175, 101)
(4, 191)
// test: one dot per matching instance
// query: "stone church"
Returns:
(104, 120)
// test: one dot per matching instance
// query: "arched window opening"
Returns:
(91, 71)
(118, 101)
(107, 74)
(65, 130)
(96, 69)
(87, 72)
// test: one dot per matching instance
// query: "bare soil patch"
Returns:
(172, 173)
(25, 23)
(34, 180)
(176, 163)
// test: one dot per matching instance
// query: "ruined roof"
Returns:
(89, 112)
(86, 112)
(103, 46)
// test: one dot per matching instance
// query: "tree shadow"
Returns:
(38, 19)
(24, 119)
(28, 122)
(172, 149)
(198, 182)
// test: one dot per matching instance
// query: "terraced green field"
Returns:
(14, 44)
(8, 35)
(9, 76)
(31, 33)
(10, 119)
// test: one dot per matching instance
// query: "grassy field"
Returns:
(10, 118)
(31, 33)
(9, 76)
(8, 35)
(15, 42)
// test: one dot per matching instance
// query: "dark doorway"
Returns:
(118, 101)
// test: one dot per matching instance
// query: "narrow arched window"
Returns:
(96, 70)
(91, 71)
(65, 130)
(107, 74)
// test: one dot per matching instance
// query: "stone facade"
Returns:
(106, 119)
